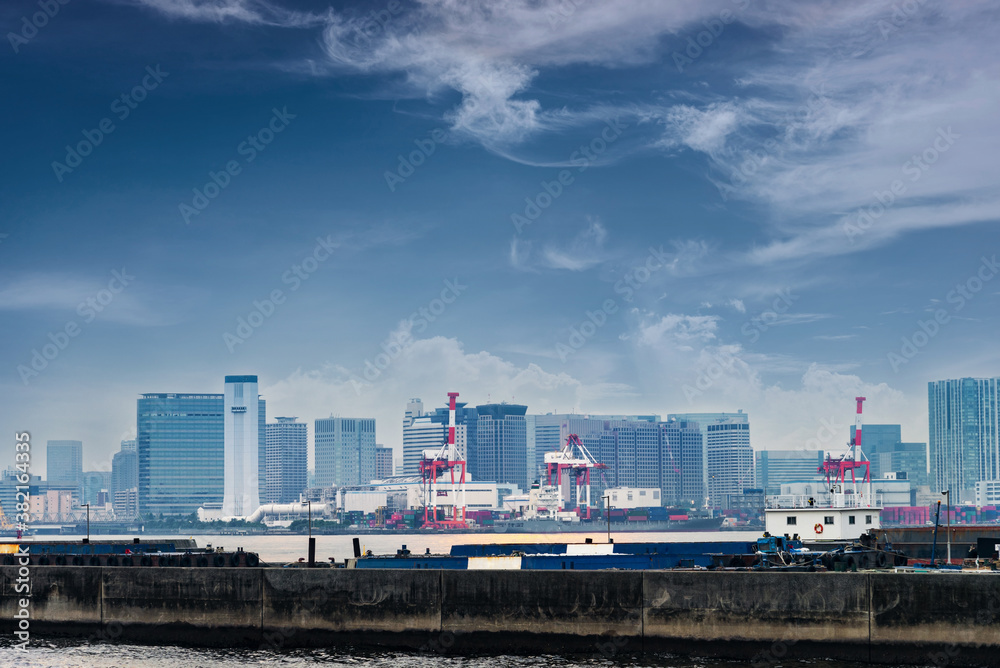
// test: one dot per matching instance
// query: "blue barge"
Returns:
(561, 556)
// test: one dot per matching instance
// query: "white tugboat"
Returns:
(844, 512)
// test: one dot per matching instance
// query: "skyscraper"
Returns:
(64, 462)
(92, 484)
(125, 480)
(345, 451)
(245, 446)
(876, 439)
(180, 445)
(428, 431)
(727, 452)
(964, 430)
(286, 460)
(548, 433)
(383, 462)
(500, 453)
(775, 467)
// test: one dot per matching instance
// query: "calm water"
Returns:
(284, 549)
(44, 654)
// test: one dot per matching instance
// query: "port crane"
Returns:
(836, 469)
(566, 463)
(434, 464)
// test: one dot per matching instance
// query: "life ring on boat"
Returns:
(818, 528)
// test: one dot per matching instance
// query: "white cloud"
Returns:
(260, 12)
(435, 365)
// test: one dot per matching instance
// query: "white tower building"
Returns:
(242, 447)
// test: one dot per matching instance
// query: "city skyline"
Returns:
(627, 208)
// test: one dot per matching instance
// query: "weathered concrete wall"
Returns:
(349, 601)
(216, 606)
(882, 617)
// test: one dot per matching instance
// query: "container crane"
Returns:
(434, 464)
(836, 470)
(565, 463)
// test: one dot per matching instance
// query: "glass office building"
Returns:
(287, 451)
(345, 451)
(181, 444)
(963, 442)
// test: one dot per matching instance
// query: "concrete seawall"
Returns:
(756, 616)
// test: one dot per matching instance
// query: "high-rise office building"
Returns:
(128, 445)
(730, 460)
(776, 467)
(125, 481)
(727, 453)
(345, 451)
(964, 430)
(92, 484)
(548, 433)
(682, 463)
(180, 446)
(383, 462)
(882, 444)
(286, 462)
(64, 462)
(909, 458)
(245, 446)
(429, 431)
(500, 451)
(876, 439)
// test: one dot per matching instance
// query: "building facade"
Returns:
(424, 430)
(500, 450)
(383, 462)
(245, 446)
(776, 467)
(548, 433)
(345, 451)
(718, 474)
(964, 424)
(180, 446)
(64, 462)
(286, 460)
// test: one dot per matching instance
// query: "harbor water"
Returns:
(66, 654)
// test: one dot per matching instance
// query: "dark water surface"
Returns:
(59, 653)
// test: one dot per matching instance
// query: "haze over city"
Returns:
(576, 206)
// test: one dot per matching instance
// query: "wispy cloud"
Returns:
(258, 12)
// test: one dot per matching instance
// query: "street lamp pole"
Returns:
(87, 506)
(312, 541)
(947, 495)
(607, 511)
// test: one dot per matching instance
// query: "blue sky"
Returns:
(739, 205)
